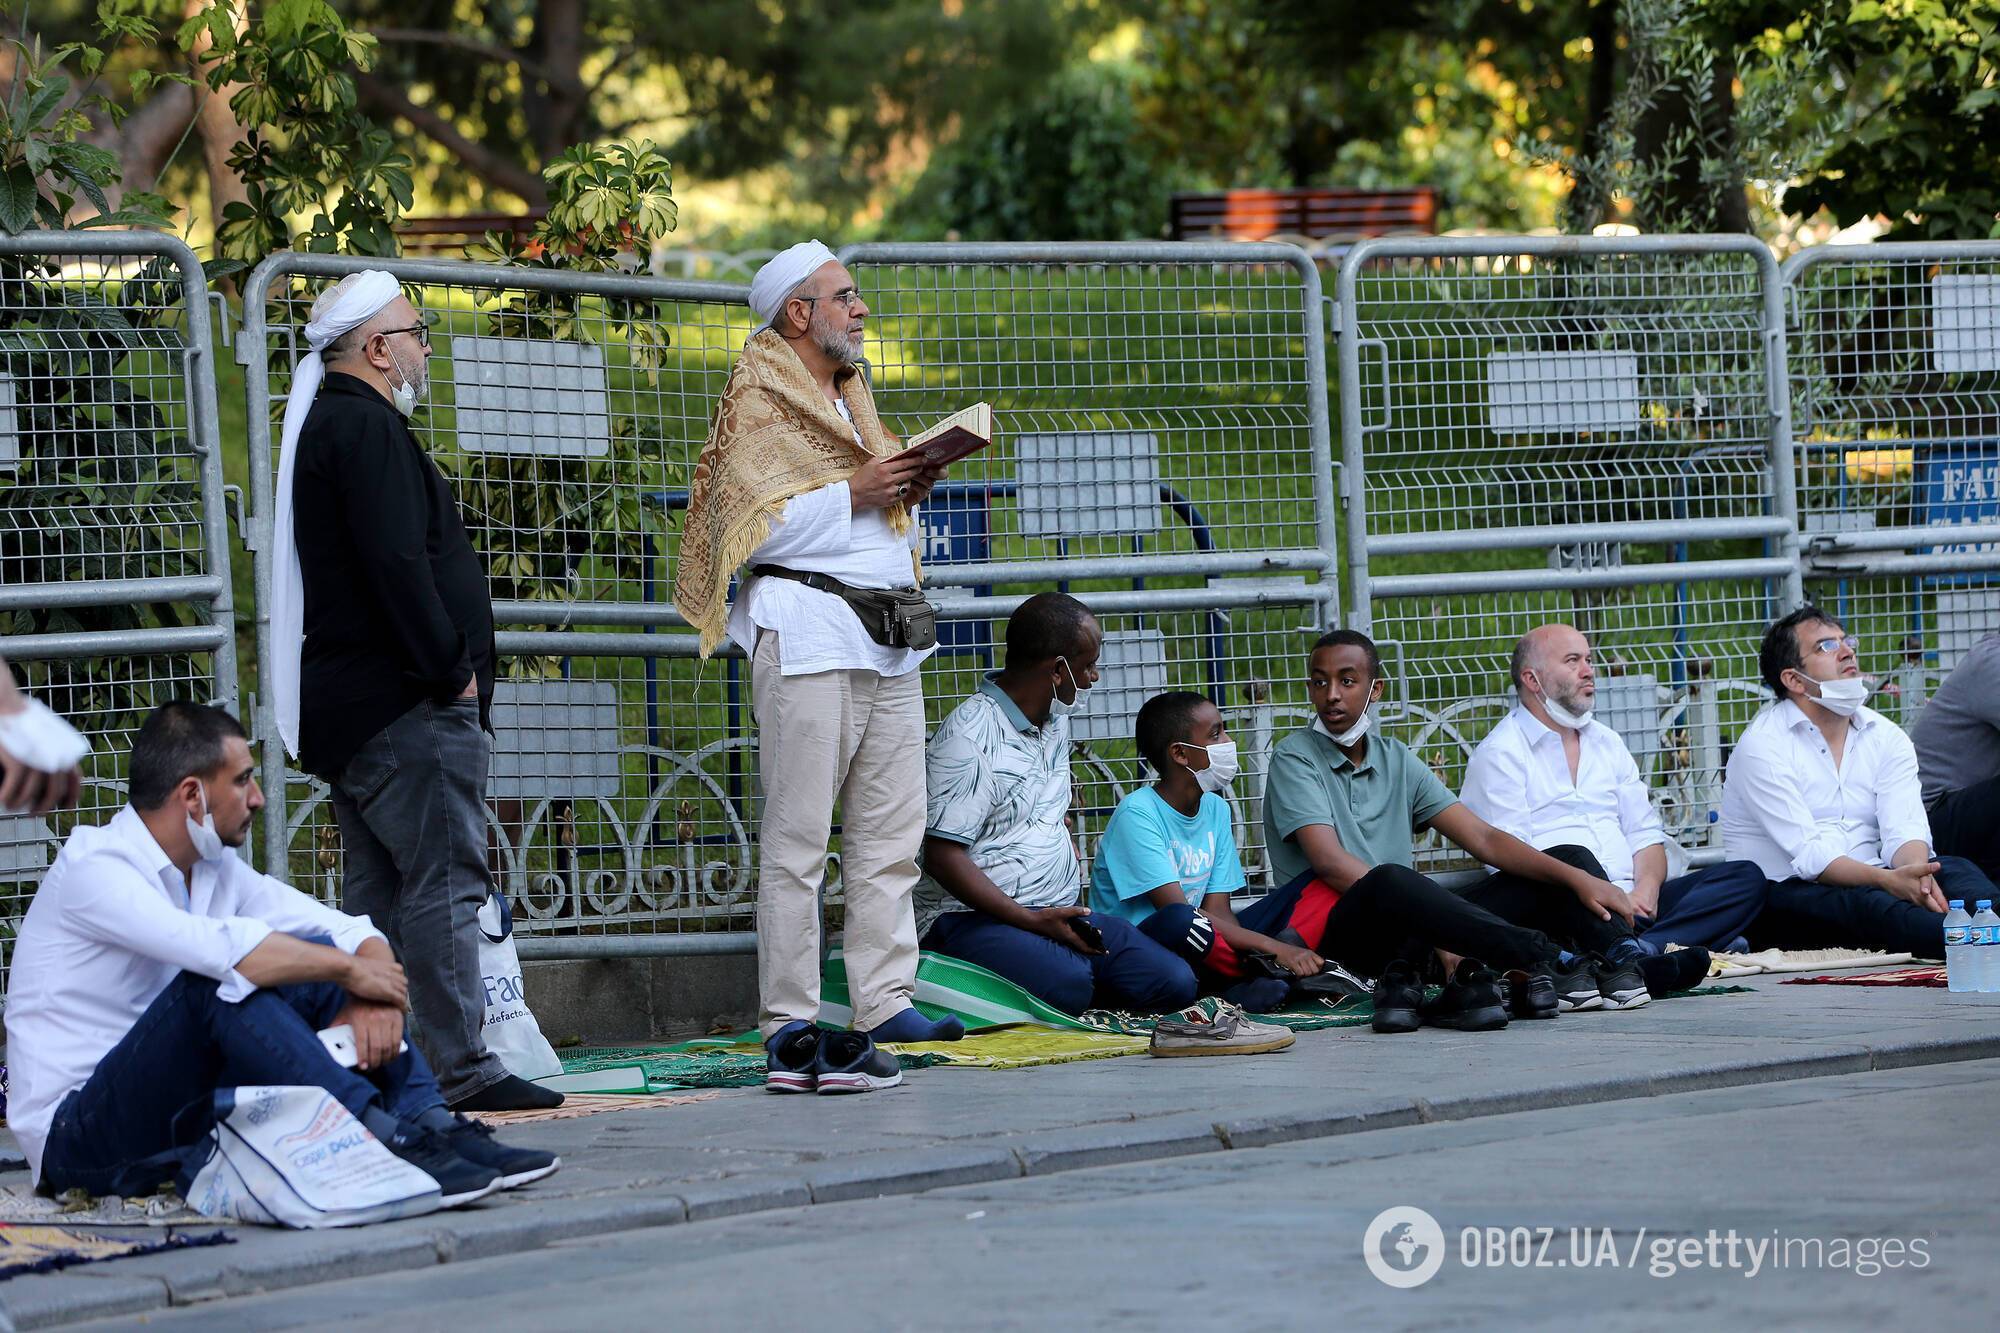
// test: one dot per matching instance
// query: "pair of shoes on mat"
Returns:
(1470, 1002)
(1590, 981)
(804, 1057)
(1225, 1032)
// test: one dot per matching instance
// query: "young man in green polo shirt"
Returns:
(1342, 808)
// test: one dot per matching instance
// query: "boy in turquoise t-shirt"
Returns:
(1168, 860)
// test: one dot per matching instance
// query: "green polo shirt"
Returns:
(1374, 809)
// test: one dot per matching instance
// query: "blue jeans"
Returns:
(144, 1116)
(411, 805)
(1708, 909)
(1804, 914)
(1132, 973)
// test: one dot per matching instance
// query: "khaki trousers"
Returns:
(857, 737)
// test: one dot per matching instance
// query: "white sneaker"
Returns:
(1228, 1032)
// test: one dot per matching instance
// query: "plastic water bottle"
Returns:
(1958, 948)
(1985, 940)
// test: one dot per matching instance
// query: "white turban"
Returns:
(341, 308)
(780, 274)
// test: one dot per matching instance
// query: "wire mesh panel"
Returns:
(1151, 402)
(1895, 365)
(114, 557)
(1576, 430)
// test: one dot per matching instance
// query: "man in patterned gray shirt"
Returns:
(1001, 878)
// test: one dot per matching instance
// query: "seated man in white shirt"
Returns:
(154, 967)
(1823, 793)
(1552, 775)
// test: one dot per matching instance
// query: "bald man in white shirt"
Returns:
(1823, 793)
(1551, 774)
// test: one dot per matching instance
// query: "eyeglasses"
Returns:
(846, 296)
(422, 332)
(1833, 644)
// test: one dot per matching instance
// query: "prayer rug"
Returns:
(1895, 976)
(41, 1249)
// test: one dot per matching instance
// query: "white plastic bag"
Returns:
(511, 1030)
(295, 1157)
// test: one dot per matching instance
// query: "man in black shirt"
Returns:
(396, 684)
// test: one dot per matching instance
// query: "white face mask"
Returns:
(1223, 765)
(1057, 708)
(404, 396)
(1842, 695)
(207, 842)
(1562, 717)
(1353, 733)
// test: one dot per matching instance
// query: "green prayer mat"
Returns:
(1010, 1029)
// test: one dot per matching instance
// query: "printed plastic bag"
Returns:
(511, 1030)
(295, 1157)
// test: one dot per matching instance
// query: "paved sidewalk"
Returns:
(747, 1152)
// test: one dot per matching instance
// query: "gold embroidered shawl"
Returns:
(775, 436)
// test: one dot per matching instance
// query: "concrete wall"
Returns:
(610, 1001)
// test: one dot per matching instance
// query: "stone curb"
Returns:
(157, 1281)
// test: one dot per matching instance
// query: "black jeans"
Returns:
(1804, 914)
(1551, 908)
(1393, 912)
(411, 806)
(1966, 823)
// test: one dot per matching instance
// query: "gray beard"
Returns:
(836, 346)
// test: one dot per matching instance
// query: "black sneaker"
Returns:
(852, 1062)
(1471, 1000)
(1683, 969)
(793, 1056)
(473, 1140)
(1399, 994)
(1621, 985)
(460, 1179)
(1575, 983)
(1532, 994)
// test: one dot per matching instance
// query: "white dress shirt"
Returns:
(1519, 782)
(112, 925)
(1786, 807)
(820, 534)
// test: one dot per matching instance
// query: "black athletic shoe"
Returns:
(1471, 1001)
(1399, 994)
(792, 1059)
(460, 1179)
(511, 1093)
(1532, 994)
(473, 1140)
(1621, 985)
(1683, 969)
(1575, 983)
(852, 1062)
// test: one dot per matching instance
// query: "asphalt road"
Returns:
(1850, 1201)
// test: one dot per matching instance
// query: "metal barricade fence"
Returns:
(568, 411)
(1578, 429)
(115, 592)
(1895, 366)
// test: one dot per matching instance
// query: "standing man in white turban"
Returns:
(797, 482)
(382, 634)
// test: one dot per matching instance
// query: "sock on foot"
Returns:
(913, 1026)
(438, 1117)
(510, 1094)
(1627, 950)
(380, 1123)
(1565, 957)
(1258, 995)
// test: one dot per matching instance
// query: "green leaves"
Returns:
(18, 198)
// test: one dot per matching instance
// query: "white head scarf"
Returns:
(780, 274)
(341, 308)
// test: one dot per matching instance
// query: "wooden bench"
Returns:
(1254, 215)
(448, 236)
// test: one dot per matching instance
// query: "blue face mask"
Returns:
(1057, 708)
